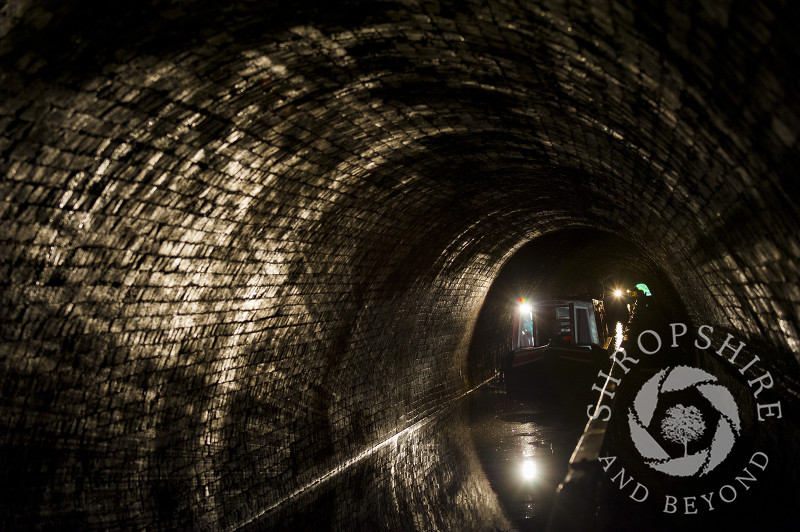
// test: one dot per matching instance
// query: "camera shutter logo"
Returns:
(683, 424)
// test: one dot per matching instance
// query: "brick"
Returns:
(242, 244)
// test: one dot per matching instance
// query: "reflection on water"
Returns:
(488, 462)
(426, 478)
(618, 337)
(524, 447)
(528, 469)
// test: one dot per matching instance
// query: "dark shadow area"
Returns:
(84, 37)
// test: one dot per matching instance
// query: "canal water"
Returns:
(488, 462)
(523, 442)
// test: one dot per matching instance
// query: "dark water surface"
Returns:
(524, 443)
(488, 462)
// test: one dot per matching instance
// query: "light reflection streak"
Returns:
(392, 440)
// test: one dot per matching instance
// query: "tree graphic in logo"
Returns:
(683, 424)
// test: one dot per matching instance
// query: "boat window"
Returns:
(552, 323)
(545, 324)
(584, 336)
(564, 322)
(525, 330)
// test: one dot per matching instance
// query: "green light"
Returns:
(643, 288)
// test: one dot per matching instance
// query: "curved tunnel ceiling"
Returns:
(220, 219)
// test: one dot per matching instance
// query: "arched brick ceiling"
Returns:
(251, 239)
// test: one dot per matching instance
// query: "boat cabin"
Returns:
(558, 345)
(558, 321)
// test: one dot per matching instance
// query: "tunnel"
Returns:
(257, 255)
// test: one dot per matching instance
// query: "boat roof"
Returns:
(588, 301)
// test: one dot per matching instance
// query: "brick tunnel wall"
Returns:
(244, 242)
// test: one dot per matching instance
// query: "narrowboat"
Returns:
(556, 343)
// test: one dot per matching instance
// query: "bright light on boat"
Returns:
(525, 308)
(618, 293)
(528, 470)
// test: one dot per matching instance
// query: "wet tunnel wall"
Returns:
(245, 242)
